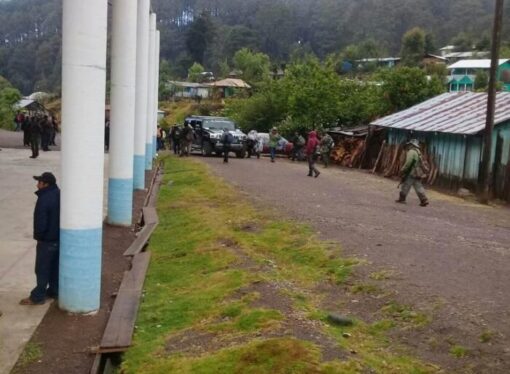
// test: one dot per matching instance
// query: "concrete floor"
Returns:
(17, 248)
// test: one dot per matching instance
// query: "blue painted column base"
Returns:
(120, 201)
(139, 172)
(148, 156)
(154, 146)
(80, 270)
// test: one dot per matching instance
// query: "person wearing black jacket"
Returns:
(47, 234)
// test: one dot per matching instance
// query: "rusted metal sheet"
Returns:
(454, 113)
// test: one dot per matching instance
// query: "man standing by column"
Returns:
(46, 232)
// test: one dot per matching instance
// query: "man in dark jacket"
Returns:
(47, 234)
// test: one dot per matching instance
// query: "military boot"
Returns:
(423, 200)
(401, 199)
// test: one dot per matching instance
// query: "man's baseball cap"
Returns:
(46, 178)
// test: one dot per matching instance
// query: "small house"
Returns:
(189, 90)
(230, 86)
(450, 127)
(463, 73)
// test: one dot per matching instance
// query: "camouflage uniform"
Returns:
(412, 174)
(327, 145)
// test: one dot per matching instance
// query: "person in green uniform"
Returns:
(413, 171)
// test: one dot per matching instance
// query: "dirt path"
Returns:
(450, 259)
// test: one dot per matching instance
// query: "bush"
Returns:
(8, 97)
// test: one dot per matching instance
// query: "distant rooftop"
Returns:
(475, 64)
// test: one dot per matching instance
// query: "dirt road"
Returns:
(451, 259)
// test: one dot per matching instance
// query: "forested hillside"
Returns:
(30, 30)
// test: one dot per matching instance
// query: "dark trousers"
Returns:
(176, 146)
(311, 165)
(53, 135)
(45, 141)
(34, 144)
(46, 271)
(226, 150)
(26, 138)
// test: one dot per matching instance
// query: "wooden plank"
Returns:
(119, 329)
(142, 239)
(150, 215)
(153, 197)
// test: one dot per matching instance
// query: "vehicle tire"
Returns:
(207, 149)
(241, 154)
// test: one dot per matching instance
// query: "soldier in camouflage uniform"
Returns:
(327, 145)
(412, 173)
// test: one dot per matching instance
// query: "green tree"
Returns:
(404, 87)
(8, 97)
(481, 81)
(254, 66)
(199, 37)
(413, 47)
(195, 72)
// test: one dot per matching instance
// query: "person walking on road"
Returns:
(311, 149)
(413, 171)
(35, 136)
(46, 129)
(297, 151)
(274, 138)
(327, 145)
(47, 234)
(227, 139)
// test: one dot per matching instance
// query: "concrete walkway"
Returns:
(17, 248)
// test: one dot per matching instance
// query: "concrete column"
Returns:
(142, 74)
(156, 90)
(84, 33)
(122, 114)
(149, 151)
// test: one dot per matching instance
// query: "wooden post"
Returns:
(491, 103)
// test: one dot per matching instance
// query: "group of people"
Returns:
(179, 139)
(38, 131)
(318, 146)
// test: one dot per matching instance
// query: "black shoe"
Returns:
(317, 174)
(424, 203)
(33, 156)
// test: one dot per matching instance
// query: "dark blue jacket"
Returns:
(47, 215)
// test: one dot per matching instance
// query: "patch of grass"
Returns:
(404, 313)
(382, 275)
(364, 288)
(486, 336)
(31, 353)
(266, 356)
(459, 351)
(258, 319)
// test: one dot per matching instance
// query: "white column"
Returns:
(122, 114)
(150, 96)
(142, 74)
(156, 90)
(84, 35)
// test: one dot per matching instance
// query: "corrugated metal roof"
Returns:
(454, 113)
(475, 64)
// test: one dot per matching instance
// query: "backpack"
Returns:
(422, 170)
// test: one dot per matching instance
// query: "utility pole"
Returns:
(491, 103)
